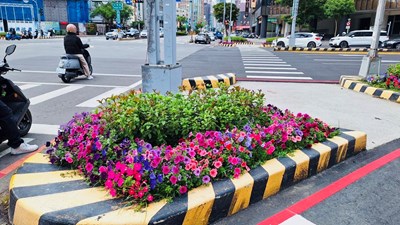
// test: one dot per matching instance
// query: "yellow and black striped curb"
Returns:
(332, 49)
(228, 45)
(265, 45)
(354, 83)
(41, 193)
(208, 81)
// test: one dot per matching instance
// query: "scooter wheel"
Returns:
(65, 79)
(25, 125)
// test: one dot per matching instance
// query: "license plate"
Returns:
(60, 70)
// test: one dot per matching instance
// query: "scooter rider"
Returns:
(10, 129)
(73, 46)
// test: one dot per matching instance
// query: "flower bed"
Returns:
(147, 147)
(390, 80)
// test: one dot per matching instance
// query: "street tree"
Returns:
(181, 21)
(219, 14)
(336, 9)
(309, 12)
(109, 14)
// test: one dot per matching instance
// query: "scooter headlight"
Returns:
(61, 64)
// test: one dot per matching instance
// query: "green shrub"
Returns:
(236, 39)
(161, 119)
(270, 39)
(181, 33)
(394, 70)
(3, 34)
(91, 28)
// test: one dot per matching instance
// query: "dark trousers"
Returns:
(9, 127)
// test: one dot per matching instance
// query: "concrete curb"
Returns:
(227, 45)
(354, 83)
(208, 81)
(41, 193)
(332, 49)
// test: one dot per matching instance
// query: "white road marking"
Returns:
(260, 57)
(44, 129)
(264, 64)
(267, 60)
(274, 72)
(297, 220)
(351, 60)
(94, 74)
(93, 102)
(64, 84)
(269, 68)
(253, 61)
(279, 77)
(53, 94)
(27, 86)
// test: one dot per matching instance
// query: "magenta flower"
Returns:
(206, 179)
(173, 179)
(183, 190)
(165, 170)
(89, 167)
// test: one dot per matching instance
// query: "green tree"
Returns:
(336, 9)
(139, 24)
(310, 11)
(181, 20)
(219, 13)
(109, 14)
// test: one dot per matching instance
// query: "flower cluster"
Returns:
(393, 81)
(142, 173)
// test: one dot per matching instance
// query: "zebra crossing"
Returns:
(259, 63)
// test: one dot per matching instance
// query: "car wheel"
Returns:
(397, 46)
(380, 45)
(281, 44)
(343, 44)
(311, 45)
(107, 38)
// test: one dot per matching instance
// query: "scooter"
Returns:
(69, 66)
(13, 97)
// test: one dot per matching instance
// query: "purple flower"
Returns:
(206, 179)
(186, 160)
(215, 151)
(148, 146)
(197, 172)
(159, 178)
(247, 128)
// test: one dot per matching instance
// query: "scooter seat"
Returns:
(68, 56)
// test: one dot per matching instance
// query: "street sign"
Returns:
(118, 20)
(117, 5)
(128, 2)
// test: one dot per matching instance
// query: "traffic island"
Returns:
(354, 83)
(297, 49)
(41, 193)
(208, 81)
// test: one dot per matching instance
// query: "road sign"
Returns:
(128, 2)
(118, 20)
(117, 5)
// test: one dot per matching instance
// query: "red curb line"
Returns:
(4, 172)
(288, 80)
(330, 190)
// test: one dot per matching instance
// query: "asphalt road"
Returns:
(117, 67)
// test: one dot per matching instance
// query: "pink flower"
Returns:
(217, 164)
(173, 179)
(103, 169)
(137, 166)
(199, 136)
(109, 184)
(120, 182)
(113, 192)
(175, 170)
(183, 190)
(213, 173)
(150, 198)
(89, 167)
(69, 160)
(165, 169)
(71, 142)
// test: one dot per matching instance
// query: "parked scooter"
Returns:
(13, 97)
(69, 66)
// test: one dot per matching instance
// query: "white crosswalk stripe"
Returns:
(262, 64)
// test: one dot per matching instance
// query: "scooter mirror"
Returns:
(10, 49)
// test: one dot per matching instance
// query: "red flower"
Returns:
(213, 173)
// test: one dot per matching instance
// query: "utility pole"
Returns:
(230, 23)
(157, 76)
(223, 21)
(295, 9)
(371, 64)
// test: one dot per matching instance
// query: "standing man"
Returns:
(73, 46)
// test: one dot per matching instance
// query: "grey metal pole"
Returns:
(157, 30)
(150, 25)
(230, 23)
(223, 21)
(295, 8)
(169, 32)
(371, 64)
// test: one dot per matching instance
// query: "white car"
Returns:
(211, 35)
(143, 34)
(302, 39)
(357, 38)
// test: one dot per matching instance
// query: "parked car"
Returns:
(212, 36)
(143, 34)
(114, 33)
(218, 35)
(302, 39)
(357, 38)
(132, 32)
(202, 38)
(392, 43)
